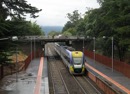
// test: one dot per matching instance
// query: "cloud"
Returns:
(54, 11)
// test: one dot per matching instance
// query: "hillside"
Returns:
(47, 29)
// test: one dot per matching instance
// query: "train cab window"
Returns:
(77, 60)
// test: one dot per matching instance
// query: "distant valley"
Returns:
(47, 29)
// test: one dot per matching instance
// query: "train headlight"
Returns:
(71, 69)
(83, 68)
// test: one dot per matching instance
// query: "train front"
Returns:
(77, 62)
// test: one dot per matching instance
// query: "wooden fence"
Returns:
(32, 56)
(117, 65)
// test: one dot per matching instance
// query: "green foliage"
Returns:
(80, 27)
(75, 23)
(5, 51)
(36, 29)
(32, 29)
(4, 25)
(67, 26)
(21, 28)
(75, 17)
(66, 33)
(53, 33)
(112, 19)
(70, 32)
(4, 60)
(17, 9)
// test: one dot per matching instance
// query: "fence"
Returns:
(32, 56)
(117, 65)
(27, 61)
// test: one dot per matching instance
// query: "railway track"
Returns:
(86, 85)
(56, 81)
(59, 86)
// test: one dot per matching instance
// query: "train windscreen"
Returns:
(77, 60)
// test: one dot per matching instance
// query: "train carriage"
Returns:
(74, 60)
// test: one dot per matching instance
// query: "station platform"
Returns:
(116, 79)
(32, 81)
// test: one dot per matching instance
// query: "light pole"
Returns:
(34, 46)
(31, 48)
(83, 45)
(112, 53)
(16, 66)
(94, 47)
(82, 37)
(15, 38)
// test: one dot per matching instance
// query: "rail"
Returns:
(87, 86)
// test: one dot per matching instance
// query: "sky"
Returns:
(54, 12)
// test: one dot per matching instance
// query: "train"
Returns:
(74, 60)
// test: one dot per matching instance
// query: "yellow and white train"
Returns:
(74, 60)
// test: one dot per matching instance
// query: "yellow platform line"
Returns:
(39, 76)
(109, 79)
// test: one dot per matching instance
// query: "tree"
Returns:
(34, 29)
(22, 28)
(112, 19)
(67, 33)
(16, 9)
(70, 32)
(116, 15)
(67, 26)
(53, 33)
(5, 51)
(4, 25)
(74, 19)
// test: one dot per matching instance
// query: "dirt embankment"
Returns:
(24, 50)
(22, 53)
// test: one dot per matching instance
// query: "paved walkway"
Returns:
(116, 78)
(27, 80)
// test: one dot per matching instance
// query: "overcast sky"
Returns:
(54, 12)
